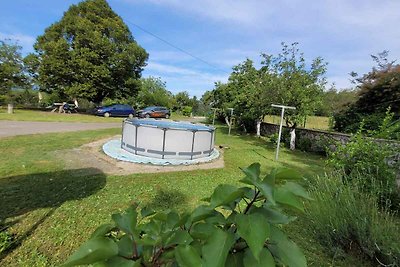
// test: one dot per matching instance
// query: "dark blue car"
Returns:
(117, 110)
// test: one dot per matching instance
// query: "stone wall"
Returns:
(306, 139)
(314, 140)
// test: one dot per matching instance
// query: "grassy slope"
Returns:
(55, 210)
(31, 115)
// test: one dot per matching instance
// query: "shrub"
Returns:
(304, 144)
(186, 111)
(238, 227)
(345, 218)
(370, 159)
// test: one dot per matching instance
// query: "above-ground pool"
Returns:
(166, 139)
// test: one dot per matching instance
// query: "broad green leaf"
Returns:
(265, 260)
(202, 230)
(287, 174)
(235, 260)
(127, 221)
(161, 216)
(202, 212)
(252, 174)
(225, 194)
(179, 237)
(285, 250)
(217, 218)
(172, 220)
(168, 255)
(232, 217)
(248, 192)
(267, 190)
(187, 256)
(102, 230)
(145, 212)
(147, 240)
(272, 215)
(284, 196)
(183, 219)
(216, 248)
(122, 262)
(126, 246)
(297, 190)
(254, 229)
(270, 178)
(94, 250)
(153, 227)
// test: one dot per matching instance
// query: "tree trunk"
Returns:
(293, 139)
(258, 128)
(227, 121)
(10, 109)
(76, 103)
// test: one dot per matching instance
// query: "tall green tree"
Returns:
(378, 90)
(282, 79)
(335, 100)
(90, 53)
(153, 92)
(12, 73)
(290, 81)
(182, 99)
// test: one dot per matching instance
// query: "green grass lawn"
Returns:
(33, 115)
(52, 210)
(313, 122)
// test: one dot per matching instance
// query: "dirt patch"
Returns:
(91, 155)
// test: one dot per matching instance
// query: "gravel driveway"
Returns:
(13, 128)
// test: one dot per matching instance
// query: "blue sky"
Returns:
(226, 32)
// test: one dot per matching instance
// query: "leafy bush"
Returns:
(304, 144)
(238, 227)
(370, 159)
(273, 138)
(389, 128)
(187, 110)
(346, 219)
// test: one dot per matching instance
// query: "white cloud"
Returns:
(242, 12)
(174, 70)
(182, 78)
(342, 32)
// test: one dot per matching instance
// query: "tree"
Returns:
(282, 79)
(334, 100)
(378, 90)
(11, 68)
(153, 92)
(182, 99)
(293, 83)
(90, 53)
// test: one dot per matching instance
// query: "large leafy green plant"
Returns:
(240, 226)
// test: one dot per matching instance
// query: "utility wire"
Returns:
(176, 47)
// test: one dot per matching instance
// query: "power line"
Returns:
(176, 47)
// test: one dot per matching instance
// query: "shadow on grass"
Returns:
(22, 194)
(167, 199)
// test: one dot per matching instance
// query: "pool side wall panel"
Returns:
(167, 143)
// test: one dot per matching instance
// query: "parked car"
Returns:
(117, 110)
(154, 112)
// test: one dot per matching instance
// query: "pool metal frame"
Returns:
(139, 123)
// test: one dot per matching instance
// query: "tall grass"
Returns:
(347, 219)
